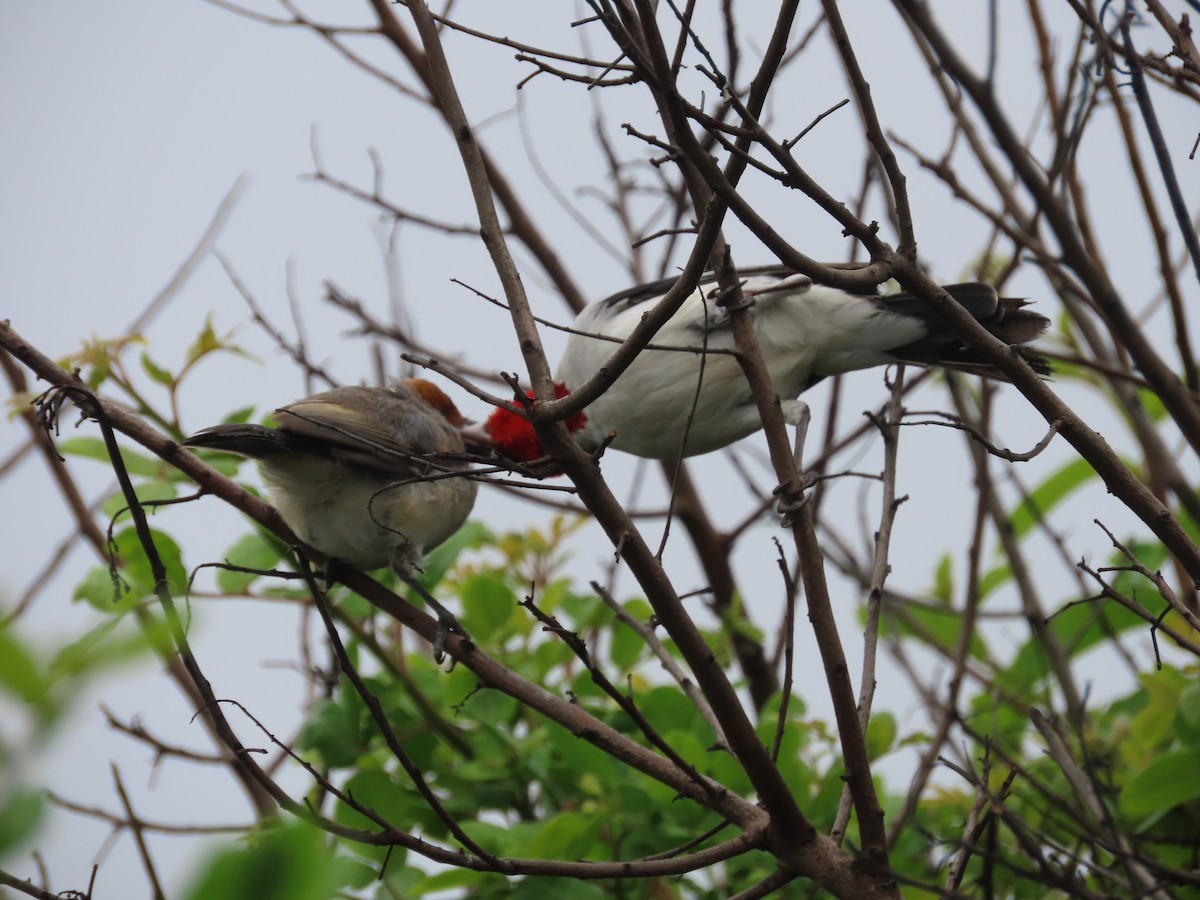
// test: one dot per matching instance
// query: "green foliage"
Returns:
(522, 786)
(37, 686)
(291, 862)
(258, 550)
(21, 811)
(138, 567)
(518, 784)
(102, 363)
(89, 447)
(1053, 490)
(487, 604)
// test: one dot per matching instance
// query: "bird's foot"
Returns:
(792, 498)
(447, 624)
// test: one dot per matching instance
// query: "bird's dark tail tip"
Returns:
(245, 439)
(1004, 317)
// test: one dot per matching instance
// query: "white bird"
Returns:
(806, 331)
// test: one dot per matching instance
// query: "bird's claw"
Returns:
(792, 498)
(447, 625)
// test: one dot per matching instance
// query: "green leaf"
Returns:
(444, 881)
(670, 710)
(491, 837)
(156, 372)
(1083, 627)
(1048, 494)
(356, 873)
(94, 448)
(552, 887)
(19, 673)
(1151, 554)
(101, 647)
(1152, 404)
(1152, 729)
(227, 464)
(383, 794)
(98, 589)
(487, 604)
(146, 492)
(1164, 784)
(994, 578)
(75, 658)
(19, 817)
(87, 447)
(238, 416)
(1078, 629)
(940, 627)
(1187, 715)
(568, 835)
(626, 646)
(439, 560)
(284, 863)
(136, 564)
(881, 734)
(208, 341)
(943, 579)
(334, 730)
(252, 551)
(398, 880)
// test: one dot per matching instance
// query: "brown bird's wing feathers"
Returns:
(404, 436)
(333, 424)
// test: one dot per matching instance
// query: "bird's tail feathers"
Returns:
(964, 359)
(1004, 317)
(244, 439)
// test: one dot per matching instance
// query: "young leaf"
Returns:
(252, 551)
(136, 563)
(1164, 784)
(439, 560)
(94, 448)
(19, 673)
(487, 604)
(282, 863)
(156, 372)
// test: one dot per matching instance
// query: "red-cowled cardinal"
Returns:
(368, 476)
(806, 331)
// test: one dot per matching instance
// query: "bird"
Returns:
(806, 331)
(368, 476)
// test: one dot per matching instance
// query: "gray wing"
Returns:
(390, 430)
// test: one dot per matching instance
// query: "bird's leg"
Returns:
(404, 567)
(792, 497)
(796, 412)
(447, 623)
(328, 573)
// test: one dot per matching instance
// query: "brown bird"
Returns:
(368, 476)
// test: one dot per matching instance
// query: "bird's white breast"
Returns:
(650, 403)
(362, 517)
